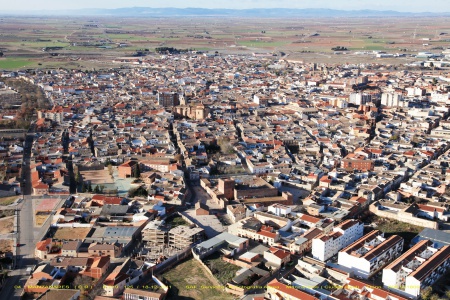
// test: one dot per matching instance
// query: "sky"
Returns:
(398, 5)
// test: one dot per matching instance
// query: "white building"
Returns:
(327, 245)
(279, 209)
(360, 98)
(419, 267)
(391, 99)
(370, 253)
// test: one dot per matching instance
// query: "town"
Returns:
(226, 176)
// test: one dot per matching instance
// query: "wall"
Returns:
(403, 217)
(237, 262)
(214, 279)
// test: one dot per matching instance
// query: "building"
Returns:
(226, 187)
(236, 212)
(138, 294)
(353, 289)
(252, 228)
(223, 241)
(326, 246)
(391, 99)
(277, 257)
(419, 267)
(370, 253)
(279, 209)
(358, 164)
(182, 236)
(156, 232)
(127, 169)
(438, 237)
(168, 98)
(56, 114)
(279, 291)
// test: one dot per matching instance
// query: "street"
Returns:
(26, 237)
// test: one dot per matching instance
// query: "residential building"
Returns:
(182, 236)
(326, 246)
(419, 267)
(370, 253)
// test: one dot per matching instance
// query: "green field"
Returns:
(261, 44)
(391, 227)
(12, 63)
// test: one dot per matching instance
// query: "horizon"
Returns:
(413, 6)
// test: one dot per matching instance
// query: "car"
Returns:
(18, 245)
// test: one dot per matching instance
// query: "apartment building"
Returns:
(370, 253)
(419, 267)
(156, 232)
(326, 246)
(182, 236)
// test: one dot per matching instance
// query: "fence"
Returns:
(171, 261)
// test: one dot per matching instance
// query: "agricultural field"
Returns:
(90, 42)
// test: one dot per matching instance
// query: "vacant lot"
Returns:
(40, 218)
(198, 285)
(390, 227)
(6, 246)
(6, 225)
(222, 270)
(97, 177)
(8, 200)
(71, 233)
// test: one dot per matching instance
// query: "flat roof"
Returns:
(438, 237)
(223, 237)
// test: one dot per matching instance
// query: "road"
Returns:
(13, 286)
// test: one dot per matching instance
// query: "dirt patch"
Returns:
(68, 233)
(97, 177)
(197, 285)
(6, 213)
(40, 218)
(6, 246)
(6, 225)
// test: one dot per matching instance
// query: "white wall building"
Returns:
(327, 245)
(279, 209)
(391, 99)
(419, 267)
(370, 253)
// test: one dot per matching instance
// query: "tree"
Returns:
(83, 188)
(110, 170)
(225, 145)
(140, 191)
(84, 284)
(89, 187)
(426, 293)
(96, 189)
(77, 177)
(137, 171)
(435, 297)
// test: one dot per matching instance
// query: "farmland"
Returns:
(90, 42)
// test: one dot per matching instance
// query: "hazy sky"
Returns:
(399, 5)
